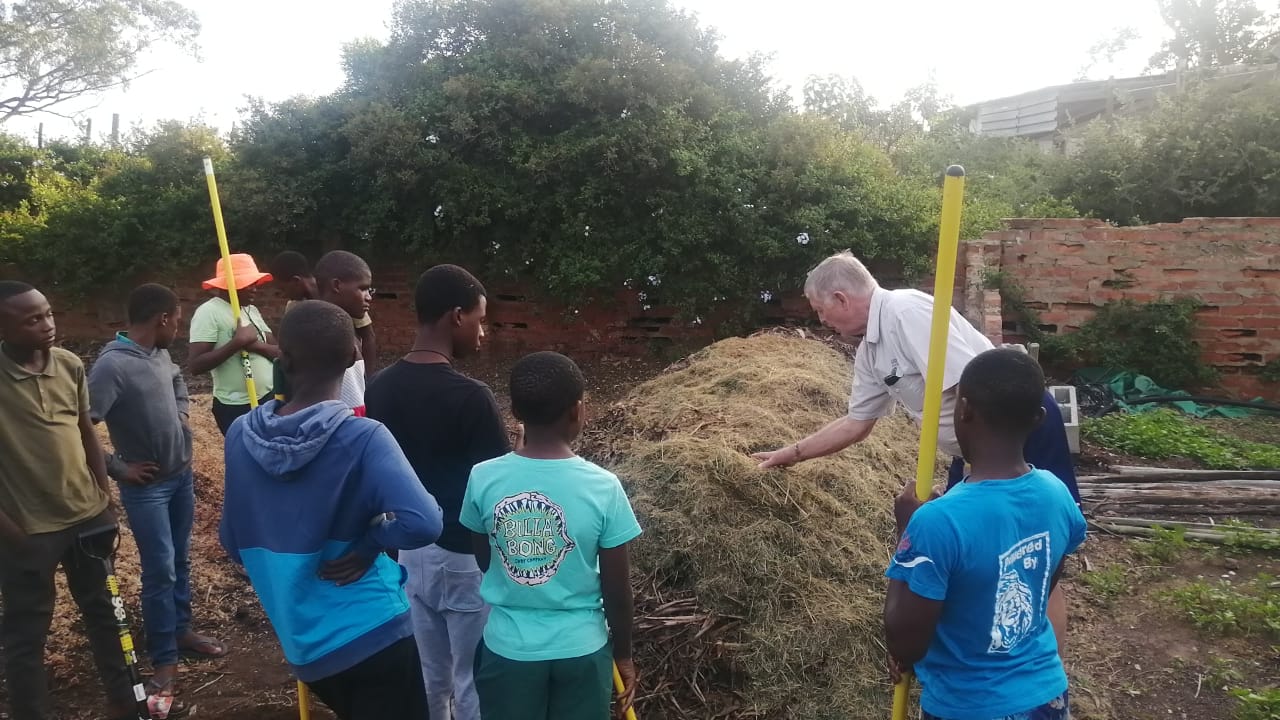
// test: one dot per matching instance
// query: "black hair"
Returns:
(150, 300)
(318, 337)
(13, 288)
(1005, 388)
(341, 265)
(443, 288)
(544, 386)
(290, 264)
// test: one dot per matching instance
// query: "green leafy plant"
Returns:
(1250, 609)
(1106, 584)
(1163, 434)
(1271, 371)
(1165, 545)
(1222, 674)
(1155, 339)
(1257, 704)
(92, 219)
(1245, 536)
(1137, 167)
(1120, 335)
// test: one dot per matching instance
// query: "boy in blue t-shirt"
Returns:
(970, 581)
(551, 533)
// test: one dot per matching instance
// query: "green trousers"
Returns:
(578, 688)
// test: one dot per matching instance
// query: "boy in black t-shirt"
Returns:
(446, 423)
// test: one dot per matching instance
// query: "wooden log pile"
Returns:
(1214, 533)
(688, 671)
(1165, 491)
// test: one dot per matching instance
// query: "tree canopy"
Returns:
(53, 51)
(583, 146)
(588, 144)
(1216, 32)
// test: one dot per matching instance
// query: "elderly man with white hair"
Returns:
(890, 369)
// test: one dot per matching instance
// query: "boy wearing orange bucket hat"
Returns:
(216, 342)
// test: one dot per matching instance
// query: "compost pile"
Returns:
(761, 592)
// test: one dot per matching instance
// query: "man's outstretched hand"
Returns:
(776, 458)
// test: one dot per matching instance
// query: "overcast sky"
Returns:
(976, 50)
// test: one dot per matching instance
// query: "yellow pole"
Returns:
(943, 286)
(617, 685)
(304, 694)
(232, 293)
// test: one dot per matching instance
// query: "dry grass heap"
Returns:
(784, 567)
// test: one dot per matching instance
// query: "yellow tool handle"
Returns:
(943, 287)
(617, 685)
(901, 691)
(304, 701)
(250, 386)
(304, 694)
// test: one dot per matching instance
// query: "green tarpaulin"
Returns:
(1130, 388)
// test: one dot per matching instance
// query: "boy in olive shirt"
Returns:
(53, 491)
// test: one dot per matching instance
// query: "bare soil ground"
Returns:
(1132, 656)
(1137, 655)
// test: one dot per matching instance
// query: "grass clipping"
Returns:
(796, 556)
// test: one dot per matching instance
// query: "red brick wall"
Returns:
(518, 319)
(1068, 268)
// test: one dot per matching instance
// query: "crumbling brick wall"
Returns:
(1067, 267)
(519, 320)
(1070, 267)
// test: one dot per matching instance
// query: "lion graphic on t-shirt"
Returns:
(1014, 614)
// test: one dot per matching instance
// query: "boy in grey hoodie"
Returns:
(136, 388)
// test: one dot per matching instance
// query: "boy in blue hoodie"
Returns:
(968, 609)
(314, 495)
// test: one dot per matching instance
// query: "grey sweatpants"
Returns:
(448, 622)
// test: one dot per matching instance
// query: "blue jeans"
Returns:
(161, 515)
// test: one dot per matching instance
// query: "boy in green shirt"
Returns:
(53, 491)
(216, 342)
